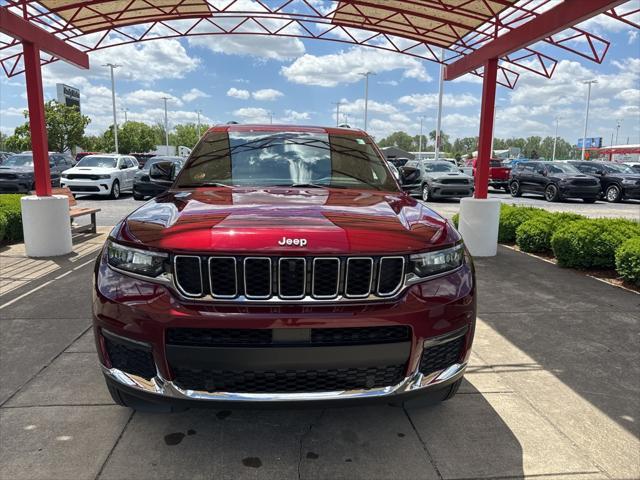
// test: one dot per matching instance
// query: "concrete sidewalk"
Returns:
(552, 392)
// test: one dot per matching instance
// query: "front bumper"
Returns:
(89, 187)
(16, 186)
(573, 191)
(438, 312)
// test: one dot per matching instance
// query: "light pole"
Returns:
(125, 110)
(198, 112)
(618, 122)
(366, 76)
(113, 101)
(166, 126)
(555, 140)
(271, 118)
(337, 104)
(586, 117)
(420, 138)
(440, 93)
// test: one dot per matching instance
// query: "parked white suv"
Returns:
(102, 174)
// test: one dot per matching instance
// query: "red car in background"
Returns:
(498, 173)
(284, 264)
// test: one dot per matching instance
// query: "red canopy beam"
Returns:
(33, 40)
(565, 15)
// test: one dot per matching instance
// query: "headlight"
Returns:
(439, 261)
(104, 176)
(142, 262)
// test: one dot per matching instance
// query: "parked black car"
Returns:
(17, 174)
(617, 181)
(143, 186)
(555, 181)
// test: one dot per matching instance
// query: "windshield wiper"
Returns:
(307, 185)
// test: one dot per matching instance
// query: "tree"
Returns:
(65, 128)
(20, 140)
(94, 143)
(400, 140)
(186, 135)
(132, 137)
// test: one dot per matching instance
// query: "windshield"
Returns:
(618, 169)
(562, 168)
(260, 158)
(18, 161)
(439, 167)
(101, 162)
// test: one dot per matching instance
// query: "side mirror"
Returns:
(599, 172)
(542, 171)
(123, 166)
(162, 173)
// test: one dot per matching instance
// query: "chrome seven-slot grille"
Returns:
(288, 278)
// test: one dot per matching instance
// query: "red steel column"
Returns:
(486, 128)
(35, 100)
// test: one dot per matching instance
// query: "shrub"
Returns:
(535, 235)
(3, 226)
(456, 220)
(628, 261)
(511, 218)
(11, 210)
(592, 243)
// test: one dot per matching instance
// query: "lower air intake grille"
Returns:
(439, 357)
(227, 337)
(130, 359)
(289, 381)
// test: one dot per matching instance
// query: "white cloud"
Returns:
(630, 95)
(391, 83)
(238, 93)
(194, 94)
(13, 112)
(144, 62)
(258, 46)
(267, 94)
(429, 101)
(149, 98)
(357, 107)
(347, 66)
(252, 115)
(291, 116)
(633, 36)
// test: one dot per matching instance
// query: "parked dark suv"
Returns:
(17, 172)
(553, 180)
(285, 264)
(618, 181)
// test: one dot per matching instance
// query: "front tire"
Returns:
(137, 196)
(426, 193)
(613, 194)
(115, 190)
(551, 193)
(515, 190)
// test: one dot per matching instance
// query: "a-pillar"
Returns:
(45, 218)
(479, 216)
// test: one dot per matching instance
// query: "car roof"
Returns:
(261, 127)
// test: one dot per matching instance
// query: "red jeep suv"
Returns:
(284, 264)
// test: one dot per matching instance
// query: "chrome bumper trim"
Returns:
(167, 389)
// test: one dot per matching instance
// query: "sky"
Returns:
(255, 79)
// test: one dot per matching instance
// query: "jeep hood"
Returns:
(260, 220)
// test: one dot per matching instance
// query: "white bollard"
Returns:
(46, 225)
(478, 225)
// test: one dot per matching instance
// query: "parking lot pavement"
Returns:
(551, 393)
(114, 210)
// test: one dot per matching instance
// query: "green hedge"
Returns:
(3, 226)
(511, 218)
(10, 210)
(534, 235)
(456, 220)
(628, 261)
(592, 243)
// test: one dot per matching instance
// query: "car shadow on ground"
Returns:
(450, 440)
(581, 330)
